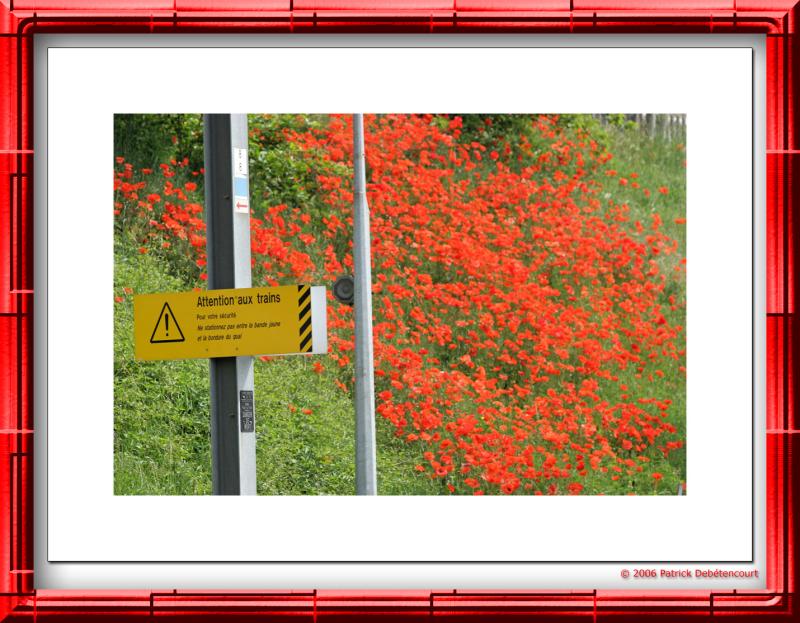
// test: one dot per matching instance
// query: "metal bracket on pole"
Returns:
(366, 473)
(233, 439)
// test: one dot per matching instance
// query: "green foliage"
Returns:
(279, 172)
(148, 140)
(491, 130)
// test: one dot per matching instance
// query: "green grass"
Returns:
(659, 162)
(161, 427)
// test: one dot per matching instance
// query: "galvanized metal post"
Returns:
(233, 439)
(366, 473)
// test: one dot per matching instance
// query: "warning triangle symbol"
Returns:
(167, 328)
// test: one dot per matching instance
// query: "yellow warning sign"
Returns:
(231, 323)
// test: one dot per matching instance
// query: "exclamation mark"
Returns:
(166, 319)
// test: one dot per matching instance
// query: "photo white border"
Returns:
(711, 523)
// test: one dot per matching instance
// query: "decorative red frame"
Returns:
(20, 20)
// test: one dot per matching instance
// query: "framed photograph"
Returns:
(577, 399)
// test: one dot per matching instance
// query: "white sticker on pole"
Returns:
(241, 190)
(239, 162)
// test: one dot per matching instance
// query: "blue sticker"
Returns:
(240, 186)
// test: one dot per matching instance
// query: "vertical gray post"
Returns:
(233, 439)
(366, 475)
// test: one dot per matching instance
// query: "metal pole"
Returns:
(233, 439)
(366, 476)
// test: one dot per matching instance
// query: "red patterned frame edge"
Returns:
(21, 19)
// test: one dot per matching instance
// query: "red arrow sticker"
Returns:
(241, 204)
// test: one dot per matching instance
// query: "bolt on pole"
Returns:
(366, 473)
(233, 439)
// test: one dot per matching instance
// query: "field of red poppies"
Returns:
(528, 294)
